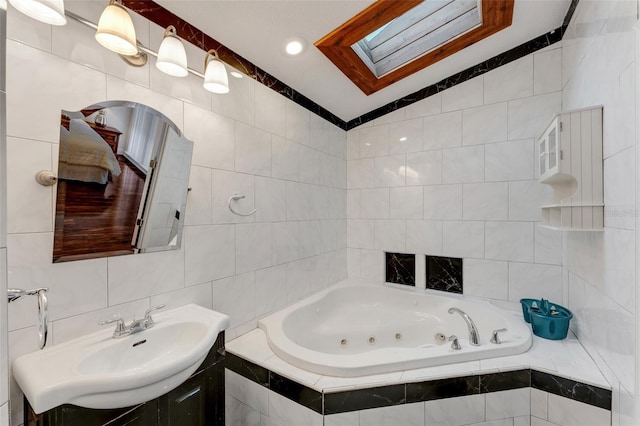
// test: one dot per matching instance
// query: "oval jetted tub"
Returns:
(360, 329)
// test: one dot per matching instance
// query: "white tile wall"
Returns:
(470, 191)
(290, 166)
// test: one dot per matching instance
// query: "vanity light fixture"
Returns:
(215, 74)
(116, 31)
(172, 58)
(47, 11)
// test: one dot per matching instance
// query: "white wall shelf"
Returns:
(570, 161)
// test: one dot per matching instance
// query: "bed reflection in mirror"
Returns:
(123, 176)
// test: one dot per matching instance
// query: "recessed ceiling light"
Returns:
(236, 74)
(402, 139)
(294, 46)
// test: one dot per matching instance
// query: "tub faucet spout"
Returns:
(474, 337)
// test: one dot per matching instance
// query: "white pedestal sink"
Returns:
(98, 371)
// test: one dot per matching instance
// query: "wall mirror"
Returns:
(123, 176)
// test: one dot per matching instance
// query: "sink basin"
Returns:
(98, 371)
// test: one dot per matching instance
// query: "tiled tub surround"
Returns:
(554, 383)
(355, 328)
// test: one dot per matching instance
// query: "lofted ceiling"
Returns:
(258, 29)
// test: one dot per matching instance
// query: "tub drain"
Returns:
(372, 340)
(398, 336)
(343, 342)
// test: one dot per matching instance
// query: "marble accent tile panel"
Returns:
(424, 168)
(400, 268)
(444, 274)
(406, 415)
(485, 124)
(361, 399)
(509, 161)
(424, 236)
(505, 381)
(463, 410)
(247, 369)
(444, 388)
(442, 131)
(485, 201)
(486, 278)
(406, 203)
(296, 392)
(463, 165)
(443, 202)
(581, 392)
(511, 81)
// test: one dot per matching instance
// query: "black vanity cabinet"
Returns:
(199, 401)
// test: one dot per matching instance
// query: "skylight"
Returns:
(417, 32)
(391, 39)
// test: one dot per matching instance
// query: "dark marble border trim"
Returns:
(407, 393)
(163, 17)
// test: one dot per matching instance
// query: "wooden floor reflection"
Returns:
(94, 220)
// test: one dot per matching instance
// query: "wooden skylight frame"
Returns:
(337, 45)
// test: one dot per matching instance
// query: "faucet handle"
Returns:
(495, 339)
(147, 314)
(455, 345)
(120, 327)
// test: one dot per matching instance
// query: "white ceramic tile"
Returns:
(462, 165)
(463, 239)
(253, 246)
(298, 123)
(442, 131)
(285, 238)
(509, 241)
(224, 184)
(252, 150)
(484, 124)
(189, 89)
(270, 113)
(390, 235)
(284, 159)
(28, 203)
(65, 85)
(239, 103)
(406, 203)
(525, 199)
(389, 171)
(334, 234)
(465, 95)
(527, 280)
(511, 403)
(508, 161)
(299, 278)
(20, 342)
(353, 144)
(239, 414)
(539, 403)
(510, 81)
(270, 199)
(424, 168)
(535, 421)
(287, 412)
(405, 136)
(547, 71)
(353, 263)
(209, 253)
(374, 203)
(236, 297)
(428, 106)
(213, 138)
(548, 248)
(4, 329)
(619, 190)
(134, 277)
(486, 278)
(74, 287)
(320, 129)
(528, 117)
(485, 201)
(443, 202)
(372, 265)
(353, 203)
(271, 288)
(619, 271)
(351, 418)
(567, 412)
(374, 141)
(455, 411)
(199, 209)
(310, 238)
(199, 294)
(424, 237)
(22, 28)
(404, 414)
(246, 391)
(4, 414)
(360, 173)
(309, 165)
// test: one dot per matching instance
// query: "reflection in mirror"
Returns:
(123, 175)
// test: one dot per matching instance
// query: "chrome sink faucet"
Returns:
(474, 337)
(136, 325)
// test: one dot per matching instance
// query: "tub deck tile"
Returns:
(444, 388)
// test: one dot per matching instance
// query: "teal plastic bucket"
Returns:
(548, 320)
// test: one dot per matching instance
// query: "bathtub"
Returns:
(355, 329)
